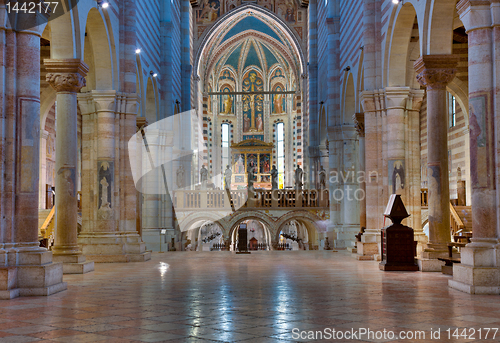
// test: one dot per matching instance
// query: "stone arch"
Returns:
(349, 104)
(150, 104)
(439, 30)
(240, 11)
(396, 66)
(97, 52)
(195, 218)
(301, 216)
(230, 225)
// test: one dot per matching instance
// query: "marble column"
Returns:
(359, 121)
(25, 268)
(479, 271)
(435, 72)
(67, 77)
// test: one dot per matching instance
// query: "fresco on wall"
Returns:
(287, 10)
(480, 139)
(209, 11)
(226, 104)
(265, 163)
(253, 104)
(279, 100)
(396, 176)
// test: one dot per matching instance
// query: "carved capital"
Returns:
(436, 71)
(66, 75)
(359, 123)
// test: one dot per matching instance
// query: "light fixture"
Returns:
(138, 51)
(153, 74)
(102, 3)
(395, 2)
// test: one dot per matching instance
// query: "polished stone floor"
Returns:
(262, 297)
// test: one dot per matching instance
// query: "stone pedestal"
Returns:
(109, 226)
(435, 72)
(25, 268)
(67, 78)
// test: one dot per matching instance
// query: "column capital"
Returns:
(396, 97)
(104, 100)
(436, 71)
(359, 123)
(141, 122)
(475, 14)
(66, 75)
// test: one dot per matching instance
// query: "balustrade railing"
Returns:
(218, 199)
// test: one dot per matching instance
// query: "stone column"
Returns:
(359, 121)
(109, 230)
(67, 77)
(435, 72)
(25, 268)
(479, 271)
(350, 195)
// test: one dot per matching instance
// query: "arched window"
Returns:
(225, 146)
(280, 152)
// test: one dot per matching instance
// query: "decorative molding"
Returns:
(66, 75)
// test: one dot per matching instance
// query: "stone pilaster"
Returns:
(435, 72)
(67, 77)
(479, 271)
(109, 225)
(25, 268)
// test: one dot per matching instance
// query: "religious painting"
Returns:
(239, 164)
(239, 179)
(209, 11)
(279, 100)
(396, 176)
(265, 178)
(287, 10)
(105, 182)
(232, 4)
(251, 162)
(265, 163)
(253, 104)
(226, 104)
(481, 139)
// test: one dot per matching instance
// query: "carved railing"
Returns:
(47, 228)
(456, 222)
(218, 199)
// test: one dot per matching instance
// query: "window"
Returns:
(225, 146)
(452, 105)
(280, 139)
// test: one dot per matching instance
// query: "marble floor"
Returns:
(263, 297)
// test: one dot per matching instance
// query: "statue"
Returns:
(274, 177)
(228, 104)
(322, 178)
(204, 175)
(251, 179)
(227, 177)
(180, 177)
(298, 178)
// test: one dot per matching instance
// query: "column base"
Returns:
(430, 264)
(34, 275)
(111, 247)
(478, 272)
(74, 264)
(346, 236)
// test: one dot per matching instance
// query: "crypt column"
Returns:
(67, 77)
(479, 271)
(435, 72)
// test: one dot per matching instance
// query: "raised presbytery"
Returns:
(139, 132)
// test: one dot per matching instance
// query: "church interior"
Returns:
(249, 170)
